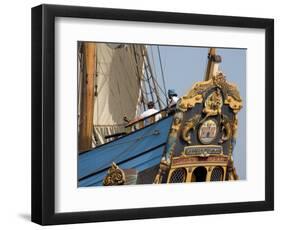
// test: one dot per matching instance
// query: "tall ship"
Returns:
(190, 141)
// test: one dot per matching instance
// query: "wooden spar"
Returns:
(213, 63)
(87, 98)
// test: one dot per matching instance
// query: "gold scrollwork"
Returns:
(197, 92)
(234, 104)
(219, 80)
(226, 129)
(200, 88)
(190, 124)
(115, 176)
(232, 95)
(213, 104)
(187, 103)
(195, 95)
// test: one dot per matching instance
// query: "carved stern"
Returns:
(203, 133)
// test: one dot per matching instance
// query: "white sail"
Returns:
(117, 87)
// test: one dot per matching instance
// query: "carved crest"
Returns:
(197, 93)
(188, 126)
(115, 176)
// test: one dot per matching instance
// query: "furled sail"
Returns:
(119, 84)
(117, 90)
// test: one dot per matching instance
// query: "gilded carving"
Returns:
(197, 93)
(164, 166)
(173, 134)
(212, 95)
(200, 88)
(115, 176)
(187, 103)
(231, 171)
(190, 124)
(213, 104)
(219, 80)
(232, 95)
(226, 129)
(234, 104)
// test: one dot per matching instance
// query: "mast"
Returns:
(213, 64)
(87, 98)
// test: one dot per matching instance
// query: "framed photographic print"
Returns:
(143, 114)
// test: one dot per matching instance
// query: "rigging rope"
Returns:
(162, 73)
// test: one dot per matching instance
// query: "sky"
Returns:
(183, 66)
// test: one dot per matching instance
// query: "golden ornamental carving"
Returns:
(197, 93)
(187, 103)
(231, 92)
(200, 88)
(231, 171)
(226, 129)
(115, 176)
(176, 124)
(219, 80)
(235, 105)
(164, 167)
(213, 104)
(190, 124)
(174, 133)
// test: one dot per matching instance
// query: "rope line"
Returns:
(162, 73)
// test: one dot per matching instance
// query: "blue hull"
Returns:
(139, 150)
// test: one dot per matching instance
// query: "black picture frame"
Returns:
(43, 113)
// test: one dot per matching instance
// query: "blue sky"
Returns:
(183, 66)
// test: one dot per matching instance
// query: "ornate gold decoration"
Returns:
(231, 93)
(197, 93)
(212, 95)
(231, 171)
(213, 103)
(229, 88)
(173, 133)
(219, 80)
(115, 176)
(166, 160)
(176, 124)
(190, 124)
(200, 88)
(235, 105)
(226, 128)
(164, 166)
(187, 103)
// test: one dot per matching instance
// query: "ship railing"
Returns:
(141, 123)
